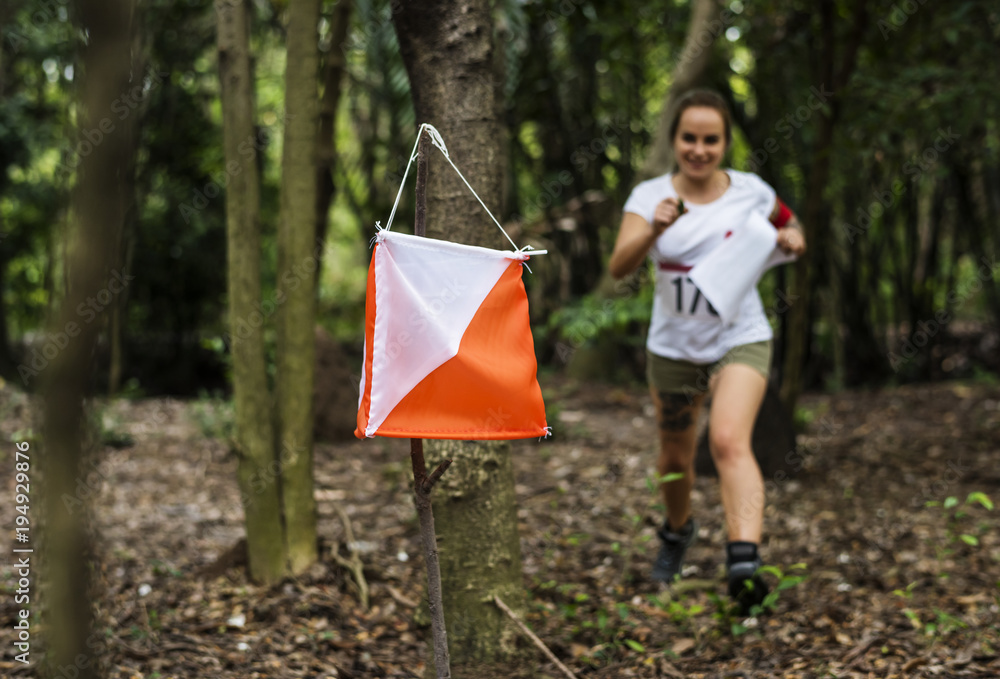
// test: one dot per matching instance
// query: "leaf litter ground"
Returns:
(899, 583)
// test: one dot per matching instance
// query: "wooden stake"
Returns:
(422, 483)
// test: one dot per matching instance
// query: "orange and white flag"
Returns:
(448, 347)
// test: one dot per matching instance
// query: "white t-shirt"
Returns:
(684, 325)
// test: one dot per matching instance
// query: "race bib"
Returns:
(683, 298)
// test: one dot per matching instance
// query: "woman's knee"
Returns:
(675, 457)
(674, 465)
(728, 446)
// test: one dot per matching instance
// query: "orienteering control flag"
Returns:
(448, 347)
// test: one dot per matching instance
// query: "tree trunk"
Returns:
(259, 488)
(297, 263)
(589, 361)
(690, 67)
(8, 366)
(124, 240)
(326, 148)
(799, 333)
(447, 48)
(96, 201)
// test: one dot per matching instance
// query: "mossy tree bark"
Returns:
(447, 47)
(259, 487)
(297, 263)
(475, 513)
(97, 200)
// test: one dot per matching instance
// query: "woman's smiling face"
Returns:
(700, 142)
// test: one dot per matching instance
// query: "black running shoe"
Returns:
(668, 562)
(746, 587)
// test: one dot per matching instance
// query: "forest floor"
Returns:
(893, 587)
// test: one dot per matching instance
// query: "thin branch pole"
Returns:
(422, 483)
(531, 635)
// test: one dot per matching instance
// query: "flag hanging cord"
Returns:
(439, 143)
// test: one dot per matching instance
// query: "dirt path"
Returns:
(167, 508)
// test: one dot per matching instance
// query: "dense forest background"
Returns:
(188, 193)
(876, 120)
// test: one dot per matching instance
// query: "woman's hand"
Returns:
(791, 240)
(666, 213)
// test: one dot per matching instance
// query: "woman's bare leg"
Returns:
(738, 391)
(677, 418)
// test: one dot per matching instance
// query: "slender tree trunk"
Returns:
(326, 147)
(590, 361)
(690, 68)
(984, 213)
(7, 362)
(448, 52)
(297, 261)
(259, 487)
(125, 238)
(68, 379)
(8, 367)
(799, 333)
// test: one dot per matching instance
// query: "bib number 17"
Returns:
(688, 300)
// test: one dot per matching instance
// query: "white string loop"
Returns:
(437, 141)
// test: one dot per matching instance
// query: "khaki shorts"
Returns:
(672, 376)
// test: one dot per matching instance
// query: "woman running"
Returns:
(677, 219)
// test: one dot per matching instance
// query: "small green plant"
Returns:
(958, 518)
(678, 611)
(110, 432)
(636, 542)
(725, 614)
(944, 624)
(215, 416)
(941, 625)
(911, 615)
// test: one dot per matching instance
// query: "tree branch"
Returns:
(531, 635)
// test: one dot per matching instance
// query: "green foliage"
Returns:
(680, 612)
(215, 417)
(583, 85)
(725, 614)
(587, 319)
(941, 624)
(959, 518)
(110, 433)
